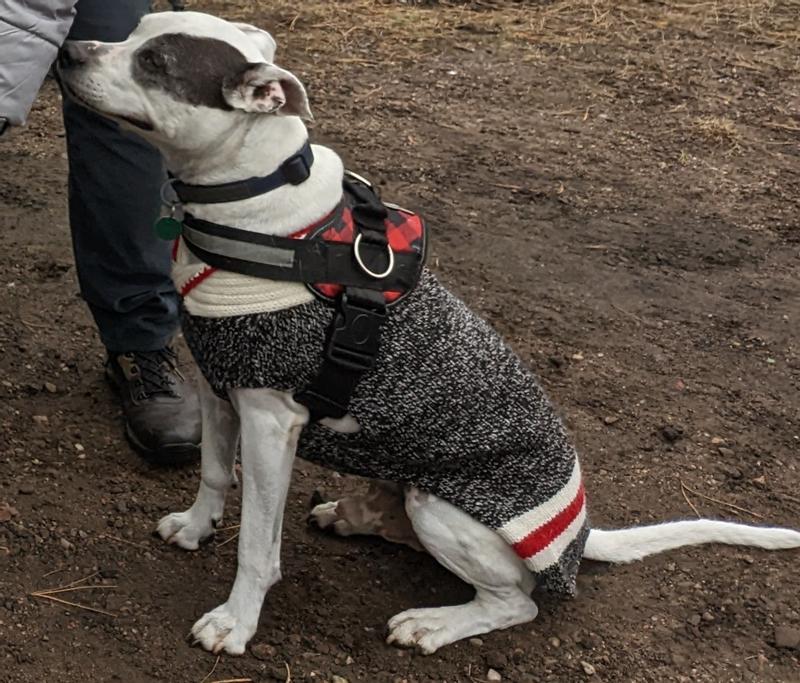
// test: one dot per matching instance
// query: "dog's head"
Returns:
(183, 78)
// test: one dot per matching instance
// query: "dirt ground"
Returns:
(615, 186)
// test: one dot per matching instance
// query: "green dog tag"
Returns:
(168, 228)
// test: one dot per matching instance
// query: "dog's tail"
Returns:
(627, 545)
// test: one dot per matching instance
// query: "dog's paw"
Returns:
(323, 515)
(326, 516)
(424, 629)
(185, 530)
(220, 630)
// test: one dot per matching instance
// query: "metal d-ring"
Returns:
(175, 205)
(377, 276)
(165, 187)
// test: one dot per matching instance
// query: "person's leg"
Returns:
(114, 184)
(123, 268)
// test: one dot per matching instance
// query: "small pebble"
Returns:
(496, 660)
(26, 489)
(555, 642)
(671, 433)
(50, 387)
(788, 637)
(263, 651)
(492, 675)
(588, 669)
(678, 659)
(695, 619)
(477, 642)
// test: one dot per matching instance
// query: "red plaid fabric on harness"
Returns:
(404, 230)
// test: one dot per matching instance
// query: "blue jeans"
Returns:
(114, 193)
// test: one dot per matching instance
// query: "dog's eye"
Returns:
(153, 60)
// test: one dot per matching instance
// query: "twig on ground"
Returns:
(85, 578)
(122, 540)
(33, 326)
(732, 506)
(70, 589)
(229, 528)
(76, 605)
(686, 498)
(632, 315)
(55, 571)
(782, 126)
(213, 669)
(504, 186)
(228, 540)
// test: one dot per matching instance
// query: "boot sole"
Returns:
(172, 455)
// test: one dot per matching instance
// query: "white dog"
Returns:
(207, 94)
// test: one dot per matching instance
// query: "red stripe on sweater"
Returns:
(540, 538)
(192, 282)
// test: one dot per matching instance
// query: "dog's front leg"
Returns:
(218, 451)
(271, 424)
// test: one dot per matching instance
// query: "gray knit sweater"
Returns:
(448, 408)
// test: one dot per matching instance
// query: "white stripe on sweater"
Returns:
(551, 554)
(519, 527)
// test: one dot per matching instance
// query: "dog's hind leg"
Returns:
(380, 511)
(218, 453)
(271, 424)
(475, 554)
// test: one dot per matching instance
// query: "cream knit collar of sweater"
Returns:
(211, 293)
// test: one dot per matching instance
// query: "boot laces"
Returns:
(158, 373)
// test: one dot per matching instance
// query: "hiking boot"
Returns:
(162, 410)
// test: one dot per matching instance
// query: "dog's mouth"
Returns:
(137, 123)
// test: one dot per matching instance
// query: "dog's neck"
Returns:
(257, 149)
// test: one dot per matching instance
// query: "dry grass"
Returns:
(368, 30)
(718, 129)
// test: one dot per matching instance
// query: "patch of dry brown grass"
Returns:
(718, 129)
(367, 30)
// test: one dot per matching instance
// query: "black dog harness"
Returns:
(361, 258)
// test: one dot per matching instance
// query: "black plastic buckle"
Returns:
(296, 169)
(355, 335)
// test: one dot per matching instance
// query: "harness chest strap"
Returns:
(362, 271)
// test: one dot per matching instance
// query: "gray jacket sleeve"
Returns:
(31, 31)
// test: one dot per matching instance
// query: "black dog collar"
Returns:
(295, 170)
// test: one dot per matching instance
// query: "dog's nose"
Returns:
(73, 53)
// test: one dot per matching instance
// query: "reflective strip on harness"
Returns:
(245, 251)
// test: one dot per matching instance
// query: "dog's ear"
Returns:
(267, 89)
(264, 40)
